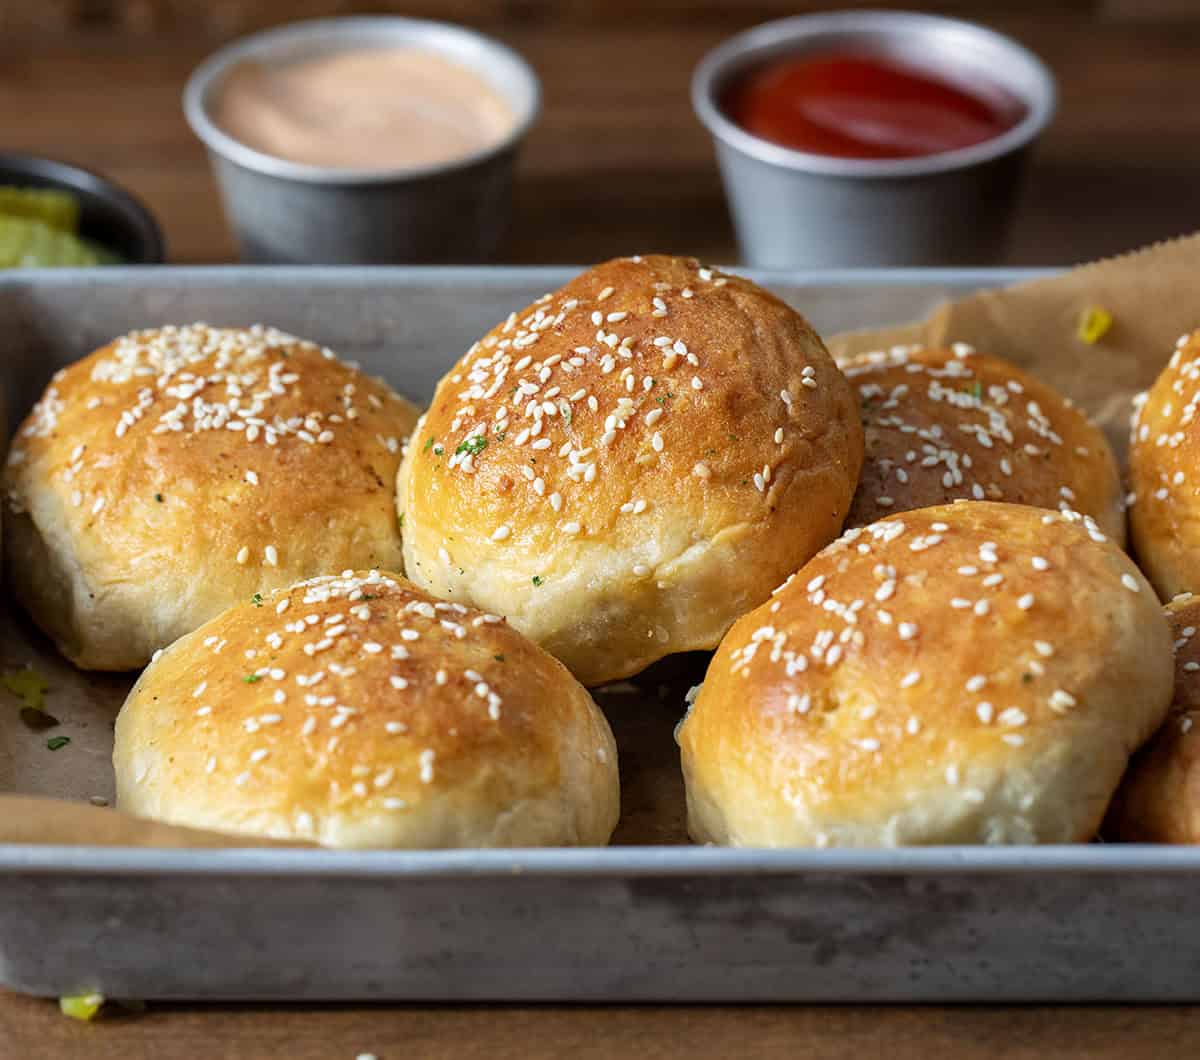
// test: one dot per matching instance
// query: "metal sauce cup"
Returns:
(796, 209)
(288, 212)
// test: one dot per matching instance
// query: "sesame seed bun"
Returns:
(1159, 799)
(951, 424)
(1164, 449)
(176, 471)
(970, 673)
(630, 463)
(357, 711)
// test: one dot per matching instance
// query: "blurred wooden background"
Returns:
(238, 16)
(618, 163)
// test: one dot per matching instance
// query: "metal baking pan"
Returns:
(632, 922)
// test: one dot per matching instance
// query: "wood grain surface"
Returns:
(32, 1029)
(617, 164)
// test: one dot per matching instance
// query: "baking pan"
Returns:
(647, 920)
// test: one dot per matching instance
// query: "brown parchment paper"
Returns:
(1153, 296)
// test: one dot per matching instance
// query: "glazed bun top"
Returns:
(1163, 452)
(628, 463)
(971, 673)
(357, 711)
(953, 424)
(180, 469)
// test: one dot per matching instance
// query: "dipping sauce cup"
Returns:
(290, 212)
(798, 209)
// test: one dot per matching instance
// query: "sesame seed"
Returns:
(243, 555)
(907, 630)
(1060, 698)
(271, 555)
(701, 470)
(1130, 583)
(984, 712)
(910, 679)
(1040, 563)
(426, 758)
(571, 527)
(1043, 648)
(501, 533)
(1025, 602)
(974, 684)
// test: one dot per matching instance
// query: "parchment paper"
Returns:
(1153, 296)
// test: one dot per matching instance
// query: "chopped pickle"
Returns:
(27, 685)
(58, 209)
(1094, 323)
(27, 243)
(81, 1006)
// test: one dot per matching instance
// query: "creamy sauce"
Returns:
(367, 108)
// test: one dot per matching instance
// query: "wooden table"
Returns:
(617, 165)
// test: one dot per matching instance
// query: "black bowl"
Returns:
(109, 215)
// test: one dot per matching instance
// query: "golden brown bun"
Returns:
(177, 471)
(946, 425)
(357, 711)
(971, 673)
(616, 534)
(1164, 449)
(1159, 799)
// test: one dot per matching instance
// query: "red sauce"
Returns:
(862, 106)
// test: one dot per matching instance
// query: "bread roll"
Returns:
(953, 424)
(970, 673)
(628, 464)
(1159, 799)
(1164, 516)
(179, 470)
(357, 711)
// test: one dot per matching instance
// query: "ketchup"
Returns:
(864, 106)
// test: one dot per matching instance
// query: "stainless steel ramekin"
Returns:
(796, 209)
(288, 212)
